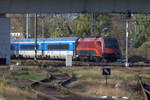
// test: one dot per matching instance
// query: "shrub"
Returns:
(3, 84)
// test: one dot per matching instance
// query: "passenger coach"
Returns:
(59, 48)
(56, 48)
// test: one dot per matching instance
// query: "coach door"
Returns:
(100, 47)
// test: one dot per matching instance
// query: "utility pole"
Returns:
(35, 46)
(127, 32)
(128, 17)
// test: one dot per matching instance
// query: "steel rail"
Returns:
(59, 86)
(145, 96)
(47, 97)
(80, 63)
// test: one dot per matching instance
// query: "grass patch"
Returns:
(66, 92)
(12, 93)
(104, 91)
(3, 84)
(91, 74)
(33, 75)
(120, 75)
(38, 88)
(91, 81)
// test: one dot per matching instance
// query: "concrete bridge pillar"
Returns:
(4, 39)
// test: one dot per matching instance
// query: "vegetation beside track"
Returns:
(11, 89)
(22, 80)
(9, 92)
(33, 75)
(89, 80)
(14, 93)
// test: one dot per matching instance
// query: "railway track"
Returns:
(145, 89)
(142, 87)
(56, 84)
(78, 63)
(52, 87)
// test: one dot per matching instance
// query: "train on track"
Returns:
(89, 48)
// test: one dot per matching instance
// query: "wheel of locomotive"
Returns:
(82, 59)
(77, 59)
(97, 59)
(90, 58)
(113, 59)
(110, 59)
(104, 60)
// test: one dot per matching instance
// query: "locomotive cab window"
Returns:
(111, 43)
(58, 46)
(99, 43)
(28, 47)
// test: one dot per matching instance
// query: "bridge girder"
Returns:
(74, 6)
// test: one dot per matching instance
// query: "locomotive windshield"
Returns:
(110, 43)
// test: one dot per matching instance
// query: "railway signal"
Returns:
(106, 72)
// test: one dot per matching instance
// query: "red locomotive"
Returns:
(98, 48)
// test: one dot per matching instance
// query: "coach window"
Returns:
(28, 47)
(59, 46)
(99, 43)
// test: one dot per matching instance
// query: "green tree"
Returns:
(83, 27)
(142, 29)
